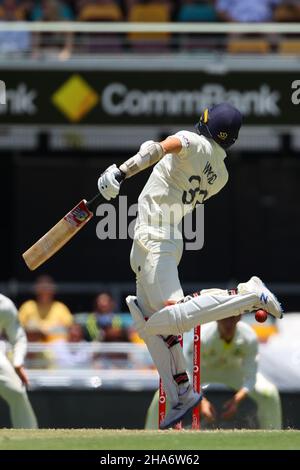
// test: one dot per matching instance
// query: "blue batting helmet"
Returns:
(220, 123)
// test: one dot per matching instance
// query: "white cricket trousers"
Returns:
(155, 266)
(14, 393)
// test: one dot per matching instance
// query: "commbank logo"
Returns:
(119, 99)
(75, 98)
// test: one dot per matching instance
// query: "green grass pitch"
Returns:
(100, 439)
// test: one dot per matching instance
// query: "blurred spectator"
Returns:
(197, 10)
(14, 41)
(51, 10)
(12, 10)
(66, 355)
(134, 337)
(100, 10)
(246, 10)
(288, 10)
(150, 11)
(104, 324)
(45, 319)
(76, 334)
(60, 44)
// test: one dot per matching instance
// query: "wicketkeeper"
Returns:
(229, 356)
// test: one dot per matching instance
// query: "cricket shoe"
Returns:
(139, 322)
(267, 300)
(187, 402)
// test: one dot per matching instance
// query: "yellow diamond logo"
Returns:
(75, 98)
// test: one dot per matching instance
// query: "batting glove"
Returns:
(108, 184)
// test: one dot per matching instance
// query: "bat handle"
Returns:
(96, 200)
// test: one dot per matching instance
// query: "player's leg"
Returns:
(161, 284)
(267, 399)
(157, 282)
(14, 393)
(161, 356)
(180, 394)
(212, 305)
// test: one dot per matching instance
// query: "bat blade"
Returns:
(57, 236)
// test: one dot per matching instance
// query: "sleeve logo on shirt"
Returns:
(186, 141)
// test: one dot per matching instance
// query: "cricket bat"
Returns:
(61, 233)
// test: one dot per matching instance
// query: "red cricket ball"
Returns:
(261, 316)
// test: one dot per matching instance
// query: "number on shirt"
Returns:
(188, 197)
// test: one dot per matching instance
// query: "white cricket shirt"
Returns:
(178, 182)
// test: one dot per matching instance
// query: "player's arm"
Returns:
(17, 338)
(149, 154)
(208, 410)
(230, 407)
(171, 145)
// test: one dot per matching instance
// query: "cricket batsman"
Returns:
(189, 169)
(229, 356)
(13, 378)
